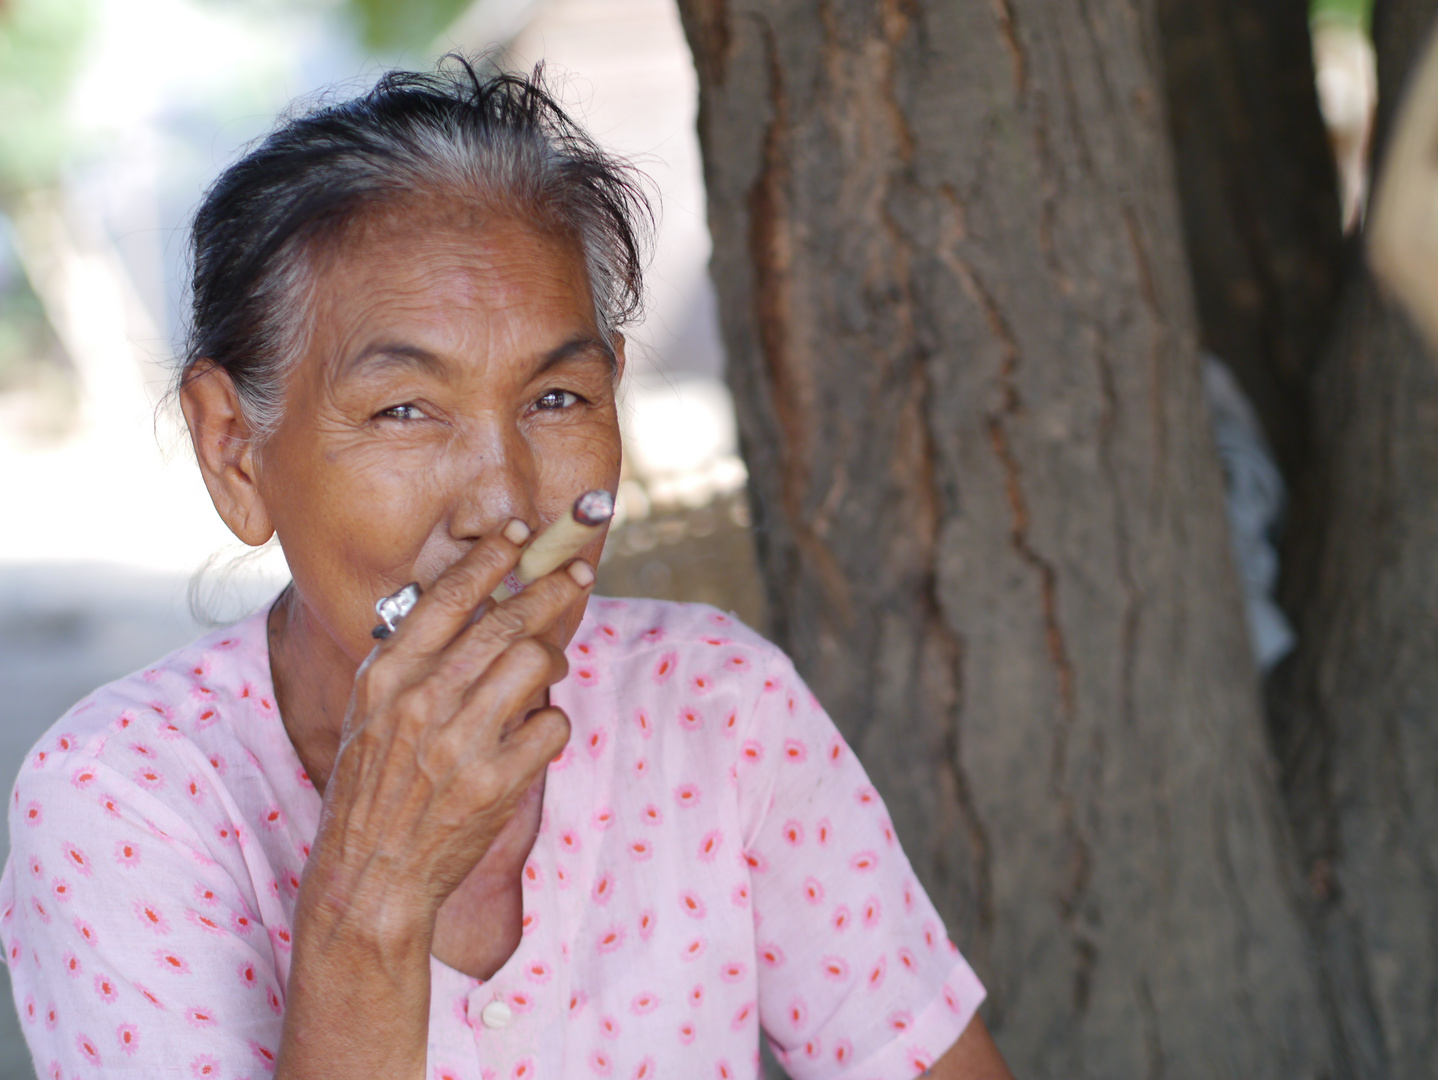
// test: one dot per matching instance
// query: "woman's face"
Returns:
(453, 378)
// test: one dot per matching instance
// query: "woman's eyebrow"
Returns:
(395, 354)
(577, 346)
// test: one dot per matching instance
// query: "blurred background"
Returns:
(116, 116)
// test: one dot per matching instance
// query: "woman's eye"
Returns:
(556, 399)
(403, 412)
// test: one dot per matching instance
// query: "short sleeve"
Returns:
(132, 951)
(857, 976)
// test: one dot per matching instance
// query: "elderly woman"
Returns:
(546, 837)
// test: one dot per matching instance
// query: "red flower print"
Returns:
(690, 718)
(227, 834)
(85, 930)
(569, 840)
(577, 1001)
(34, 813)
(533, 875)
(150, 997)
(651, 815)
(823, 831)
(276, 1005)
(611, 939)
(645, 1071)
(609, 1027)
(36, 869)
(813, 890)
(718, 618)
(40, 910)
(527, 923)
(701, 684)
(38, 761)
(843, 1051)
(646, 728)
(538, 972)
(864, 861)
(771, 955)
(520, 1001)
(907, 959)
(643, 1004)
(586, 675)
(172, 962)
(609, 632)
(264, 1055)
(798, 1013)
(105, 989)
(200, 1018)
(640, 768)
(694, 949)
(603, 818)
(281, 937)
(441, 1073)
(687, 795)
(640, 850)
(901, 1021)
(205, 1066)
(665, 668)
(653, 634)
(596, 741)
(722, 1070)
(217, 762)
(740, 895)
(600, 1063)
(150, 778)
(870, 912)
(795, 751)
(151, 917)
(646, 925)
(876, 974)
(561, 760)
(731, 722)
(752, 751)
(841, 918)
(127, 853)
(866, 796)
(696, 996)
(756, 861)
(111, 806)
(76, 858)
(770, 685)
(737, 662)
(908, 896)
(951, 999)
(273, 818)
(793, 832)
(603, 888)
(83, 777)
(30, 1010)
(247, 974)
(692, 904)
(523, 1069)
(709, 846)
(128, 1038)
(242, 923)
(835, 968)
(65, 742)
(143, 750)
(686, 1033)
(732, 972)
(52, 1018)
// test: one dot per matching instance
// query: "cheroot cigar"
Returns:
(559, 543)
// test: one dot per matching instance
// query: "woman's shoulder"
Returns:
(184, 692)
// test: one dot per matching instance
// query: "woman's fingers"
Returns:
(448, 605)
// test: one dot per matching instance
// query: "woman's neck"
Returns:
(313, 679)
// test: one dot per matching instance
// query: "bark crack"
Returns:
(1009, 29)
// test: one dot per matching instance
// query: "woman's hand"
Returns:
(447, 729)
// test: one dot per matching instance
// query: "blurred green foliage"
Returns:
(396, 25)
(40, 51)
(1354, 12)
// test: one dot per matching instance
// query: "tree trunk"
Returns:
(1259, 197)
(990, 521)
(1356, 707)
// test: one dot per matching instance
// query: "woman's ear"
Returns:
(226, 452)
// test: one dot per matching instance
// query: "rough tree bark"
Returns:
(1356, 707)
(1258, 195)
(962, 347)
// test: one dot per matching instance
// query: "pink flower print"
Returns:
(169, 732)
(111, 806)
(596, 742)
(836, 751)
(645, 1071)
(150, 996)
(273, 818)
(870, 912)
(866, 796)
(264, 1055)
(441, 1073)
(732, 972)
(281, 937)
(951, 999)
(919, 1061)
(172, 962)
(651, 815)
(695, 949)
(843, 1051)
(195, 789)
(665, 668)
(611, 939)
(864, 861)
(690, 718)
(523, 1069)
(71, 963)
(276, 1005)
(600, 1063)
(561, 760)
(242, 922)
(931, 935)
(291, 883)
(586, 675)
(76, 858)
(151, 917)
(756, 861)
(52, 1018)
(200, 1018)
(217, 762)
(793, 832)
(34, 813)
(143, 750)
(521, 1001)
(640, 850)
(603, 888)
(611, 635)
(609, 1027)
(643, 1004)
(527, 923)
(841, 918)
(731, 722)
(583, 648)
(127, 853)
(537, 971)
(887, 828)
(792, 703)
(795, 751)
(771, 684)
(304, 778)
(692, 904)
(83, 777)
(204, 922)
(798, 1013)
(150, 778)
(907, 959)
(770, 955)
(125, 719)
(740, 895)
(577, 1000)
(701, 684)
(603, 818)
(687, 795)
(646, 726)
(38, 761)
(876, 974)
(646, 925)
(722, 1070)
(128, 1037)
(105, 989)
(718, 618)
(29, 1012)
(533, 875)
(40, 910)
(696, 996)
(823, 831)
(835, 968)
(709, 846)
(248, 976)
(569, 841)
(737, 662)
(752, 751)
(686, 1033)
(61, 890)
(205, 1066)
(85, 930)
(813, 1049)
(65, 742)
(813, 890)
(653, 635)
(37, 870)
(901, 1021)
(908, 896)
(641, 768)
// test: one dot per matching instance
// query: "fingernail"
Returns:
(516, 532)
(582, 573)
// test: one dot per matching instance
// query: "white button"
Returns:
(496, 1014)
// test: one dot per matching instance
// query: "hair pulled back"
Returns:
(501, 139)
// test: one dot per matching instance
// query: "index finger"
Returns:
(448, 606)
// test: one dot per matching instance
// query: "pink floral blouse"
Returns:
(711, 859)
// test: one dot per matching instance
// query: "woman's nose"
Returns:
(495, 477)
